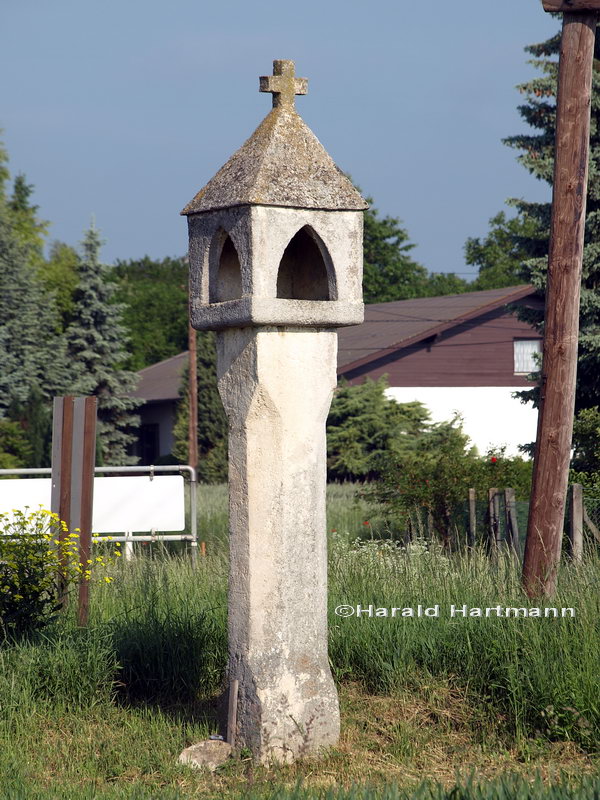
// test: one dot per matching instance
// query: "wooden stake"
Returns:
(561, 327)
(234, 687)
(193, 400)
(62, 462)
(512, 525)
(87, 502)
(591, 526)
(472, 518)
(576, 523)
(494, 521)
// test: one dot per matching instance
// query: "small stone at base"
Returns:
(209, 754)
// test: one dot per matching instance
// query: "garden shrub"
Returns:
(39, 561)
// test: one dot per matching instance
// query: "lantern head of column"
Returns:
(275, 238)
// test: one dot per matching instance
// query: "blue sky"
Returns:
(125, 108)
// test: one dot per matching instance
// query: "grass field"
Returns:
(477, 708)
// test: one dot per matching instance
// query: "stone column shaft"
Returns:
(276, 385)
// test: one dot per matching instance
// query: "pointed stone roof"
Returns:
(281, 164)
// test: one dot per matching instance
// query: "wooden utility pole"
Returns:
(561, 325)
(193, 395)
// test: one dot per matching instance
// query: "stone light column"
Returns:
(275, 268)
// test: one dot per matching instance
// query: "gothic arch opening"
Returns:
(226, 275)
(303, 271)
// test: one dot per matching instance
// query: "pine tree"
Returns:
(212, 422)
(96, 341)
(33, 362)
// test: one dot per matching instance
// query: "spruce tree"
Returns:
(538, 157)
(33, 363)
(97, 342)
(523, 250)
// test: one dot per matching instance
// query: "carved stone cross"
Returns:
(283, 84)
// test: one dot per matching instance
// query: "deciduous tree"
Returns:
(364, 425)
(155, 298)
(212, 422)
(390, 273)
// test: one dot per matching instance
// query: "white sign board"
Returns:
(126, 504)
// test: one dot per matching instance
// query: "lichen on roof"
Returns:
(282, 163)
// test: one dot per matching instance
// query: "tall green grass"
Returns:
(541, 674)
(164, 623)
(506, 788)
(168, 625)
(153, 659)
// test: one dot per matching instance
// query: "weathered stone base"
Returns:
(276, 385)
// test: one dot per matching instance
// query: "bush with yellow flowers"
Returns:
(39, 563)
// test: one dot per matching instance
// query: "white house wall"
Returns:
(492, 416)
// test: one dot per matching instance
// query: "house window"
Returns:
(525, 352)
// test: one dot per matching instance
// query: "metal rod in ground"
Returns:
(561, 319)
(232, 711)
(87, 504)
(576, 523)
(193, 399)
(128, 549)
(194, 514)
(158, 537)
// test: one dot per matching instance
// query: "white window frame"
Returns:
(524, 352)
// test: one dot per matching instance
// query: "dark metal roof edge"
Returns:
(164, 361)
(439, 328)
